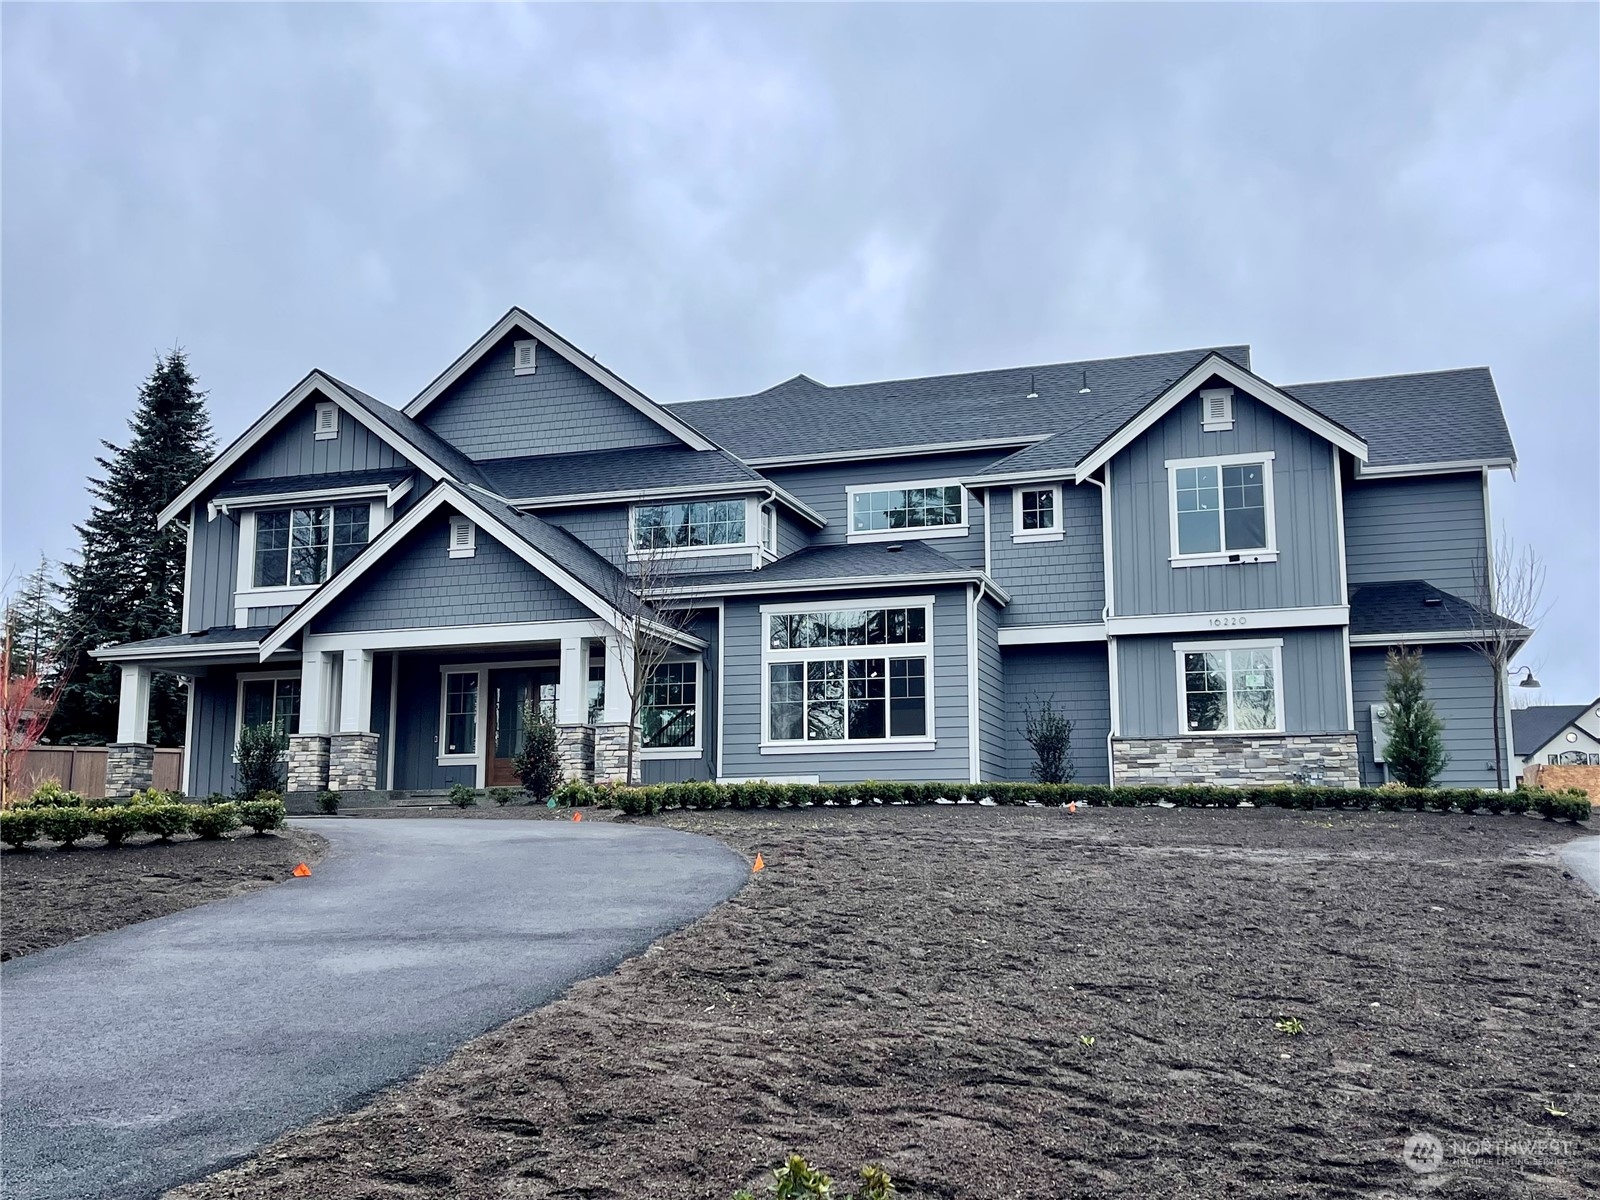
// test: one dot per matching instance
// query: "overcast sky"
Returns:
(713, 199)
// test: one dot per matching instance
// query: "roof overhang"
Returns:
(314, 383)
(1517, 637)
(1019, 442)
(755, 586)
(518, 320)
(1454, 467)
(635, 495)
(391, 494)
(1246, 381)
(446, 493)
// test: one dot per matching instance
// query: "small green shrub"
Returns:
(328, 802)
(213, 820)
(538, 763)
(50, 794)
(799, 1180)
(502, 796)
(166, 821)
(19, 826)
(64, 825)
(94, 802)
(116, 823)
(262, 814)
(1050, 735)
(155, 796)
(462, 796)
(260, 752)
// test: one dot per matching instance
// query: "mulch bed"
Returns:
(51, 896)
(918, 988)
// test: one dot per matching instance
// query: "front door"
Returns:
(509, 690)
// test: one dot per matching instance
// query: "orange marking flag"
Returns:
(577, 816)
(301, 871)
(759, 865)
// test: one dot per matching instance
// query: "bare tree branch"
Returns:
(1508, 601)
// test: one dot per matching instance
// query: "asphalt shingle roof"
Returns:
(602, 471)
(306, 483)
(222, 635)
(1534, 726)
(425, 440)
(577, 558)
(866, 561)
(1414, 606)
(1435, 416)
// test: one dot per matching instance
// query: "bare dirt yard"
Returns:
(51, 896)
(1032, 1004)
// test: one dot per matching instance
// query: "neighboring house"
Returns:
(1558, 735)
(1202, 569)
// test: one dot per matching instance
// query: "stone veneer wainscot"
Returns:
(1328, 759)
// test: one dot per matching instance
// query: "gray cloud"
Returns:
(712, 199)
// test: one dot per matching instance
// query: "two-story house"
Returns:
(1201, 568)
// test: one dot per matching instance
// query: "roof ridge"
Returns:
(1374, 378)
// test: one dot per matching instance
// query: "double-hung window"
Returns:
(689, 526)
(1221, 509)
(923, 510)
(1230, 687)
(302, 547)
(842, 676)
(670, 706)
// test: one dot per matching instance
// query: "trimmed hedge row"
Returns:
(1572, 805)
(66, 824)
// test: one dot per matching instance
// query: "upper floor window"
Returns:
(1036, 513)
(301, 547)
(933, 509)
(685, 526)
(769, 529)
(1221, 509)
(1230, 687)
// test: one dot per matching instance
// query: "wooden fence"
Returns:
(82, 769)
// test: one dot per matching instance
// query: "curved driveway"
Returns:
(154, 1054)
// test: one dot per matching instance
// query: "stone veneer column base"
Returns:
(1328, 759)
(611, 755)
(130, 768)
(308, 763)
(577, 753)
(353, 762)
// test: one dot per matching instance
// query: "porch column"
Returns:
(572, 711)
(611, 735)
(131, 760)
(353, 749)
(308, 748)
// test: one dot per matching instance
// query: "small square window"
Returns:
(463, 538)
(1036, 513)
(327, 423)
(525, 355)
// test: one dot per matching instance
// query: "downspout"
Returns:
(974, 727)
(1106, 611)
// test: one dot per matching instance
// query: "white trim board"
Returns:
(1452, 467)
(517, 319)
(1021, 441)
(1273, 645)
(757, 586)
(1051, 635)
(1266, 460)
(1407, 639)
(750, 487)
(1242, 620)
(306, 497)
(1054, 532)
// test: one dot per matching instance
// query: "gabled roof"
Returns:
(302, 483)
(517, 319)
(435, 457)
(802, 420)
(1413, 606)
(867, 564)
(1534, 726)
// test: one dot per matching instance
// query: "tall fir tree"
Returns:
(33, 618)
(128, 582)
(1415, 750)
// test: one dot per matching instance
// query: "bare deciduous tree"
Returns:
(1508, 595)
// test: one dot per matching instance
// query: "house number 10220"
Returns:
(1228, 622)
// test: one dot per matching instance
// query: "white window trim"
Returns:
(1054, 533)
(1179, 649)
(247, 596)
(238, 702)
(467, 549)
(533, 357)
(1225, 421)
(923, 650)
(681, 752)
(326, 422)
(479, 758)
(750, 546)
(920, 533)
(1268, 553)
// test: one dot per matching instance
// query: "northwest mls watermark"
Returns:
(1428, 1155)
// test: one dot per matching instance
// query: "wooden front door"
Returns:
(509, 690)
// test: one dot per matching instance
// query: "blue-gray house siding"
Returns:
(1460, 683)
(1076, 681)
(1051, 583)
(1432, 528)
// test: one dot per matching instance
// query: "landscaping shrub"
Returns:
(1414, 751)
(155, 796)
(1050, 735)
(164, 820)
(19, 826)
(265, 812)
(260, 752)
(64, 825)
(328, 802)
(50, 794)
(116, 823)
(213, 820)
(502, 796)
(799, 1180)
(462, 796)
(538, 763)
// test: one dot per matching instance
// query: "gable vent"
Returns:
(327, 425)
(1216, 408)
(523, 362)
(463, 538)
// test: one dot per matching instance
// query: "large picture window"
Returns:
(669, 708)
(685, 526)
(272, 703)
(1230, 687)
(1222, 507)
(934, 509)
(300, 547)
(821, 689)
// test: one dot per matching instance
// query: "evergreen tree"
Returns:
(33, 616)
(128, 582)
(1415, 751)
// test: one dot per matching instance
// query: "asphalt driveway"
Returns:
(141, 1058)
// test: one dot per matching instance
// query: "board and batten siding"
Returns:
(1306, 518)
(743, 684)
(213, 568)
(1431, 528)
(293, 449)
(1050, 583)
(1076, 680)
(1313, 683)
(1461, 687)
(418, 585)
(684, 770)
(492, 412)
(824, 489)
(416, 745)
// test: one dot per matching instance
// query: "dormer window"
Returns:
(523, 360)
(327, 423)
(463, 538)
(1216, 409)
